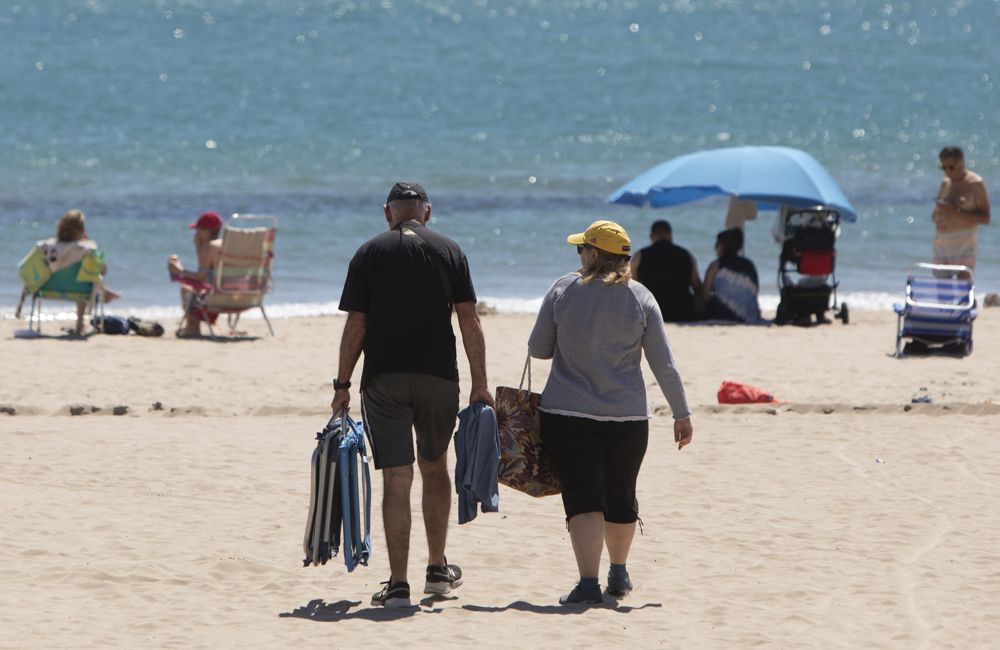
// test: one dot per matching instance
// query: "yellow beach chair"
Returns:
(79, 282)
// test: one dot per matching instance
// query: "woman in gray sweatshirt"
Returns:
(595, 324)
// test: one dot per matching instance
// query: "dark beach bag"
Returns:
(111, 324)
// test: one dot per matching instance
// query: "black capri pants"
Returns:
(597, 463)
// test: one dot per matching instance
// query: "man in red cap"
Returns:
(207, 245)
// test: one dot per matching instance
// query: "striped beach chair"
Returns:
(243, 274)
(939, 309)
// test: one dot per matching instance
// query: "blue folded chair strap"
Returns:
(944, 328)
(940, 313)
(357, 545)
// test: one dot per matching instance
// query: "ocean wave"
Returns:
(858, 300)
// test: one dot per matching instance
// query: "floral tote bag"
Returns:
(524, 463)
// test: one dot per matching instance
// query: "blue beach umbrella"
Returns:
(771, 176)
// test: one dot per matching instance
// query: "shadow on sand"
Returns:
(66, 334)
(318, 610)
(343, 610)
(559, 610)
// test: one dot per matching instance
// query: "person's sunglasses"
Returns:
(948, 168)
(581, 248)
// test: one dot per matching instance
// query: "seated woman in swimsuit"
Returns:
(70, 245)
(207, 245)
(730, 288)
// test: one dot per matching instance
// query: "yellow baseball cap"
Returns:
(606, 235)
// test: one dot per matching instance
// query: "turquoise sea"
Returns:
(519, 117)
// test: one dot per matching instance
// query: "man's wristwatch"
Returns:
(341, 385)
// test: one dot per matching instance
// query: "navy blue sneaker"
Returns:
(583, 595)
(619, 585)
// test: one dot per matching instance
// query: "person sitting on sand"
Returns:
(730, 288)
(70, 245)
(207, 246)
(595, 324)
(670, 273)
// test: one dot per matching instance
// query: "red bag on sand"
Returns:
(733, 392)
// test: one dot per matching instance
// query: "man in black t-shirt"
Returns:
(670, 273)
(399, 294)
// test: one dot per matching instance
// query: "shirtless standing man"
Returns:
(962, 205)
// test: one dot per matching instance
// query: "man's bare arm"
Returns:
(634, 265)
(695, 278)
(969, 217)
(981, 215)
(475, 350)
(352, 342)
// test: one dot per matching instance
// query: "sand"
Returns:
(844, 516)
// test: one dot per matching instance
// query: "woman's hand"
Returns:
(683, 432)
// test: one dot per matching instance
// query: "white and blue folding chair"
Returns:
(939, 309)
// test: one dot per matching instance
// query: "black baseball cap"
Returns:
(405, 191)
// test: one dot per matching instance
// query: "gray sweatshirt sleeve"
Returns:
(542, 342)
(657, 350)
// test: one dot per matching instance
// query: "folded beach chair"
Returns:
(938, 312)
(79, 282)
(243, 274)
(334, 500)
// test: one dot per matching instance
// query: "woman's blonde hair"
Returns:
(610, 268)
(70, 227)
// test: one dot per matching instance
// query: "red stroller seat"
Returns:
(816, 263)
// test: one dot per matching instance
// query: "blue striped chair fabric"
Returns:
(940, 309)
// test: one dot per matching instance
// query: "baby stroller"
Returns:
(807, 277)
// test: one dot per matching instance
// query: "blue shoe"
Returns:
(583, 595)
(619, 585)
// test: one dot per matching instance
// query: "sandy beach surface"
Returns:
(170, 511)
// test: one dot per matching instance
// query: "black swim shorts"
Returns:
(395, 404)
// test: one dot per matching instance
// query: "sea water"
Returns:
(519, 117)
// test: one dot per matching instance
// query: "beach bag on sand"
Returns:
(524, 463)
(334, 503)
(111, 324)
(733, 392)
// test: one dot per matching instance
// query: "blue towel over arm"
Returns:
(477, 447)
